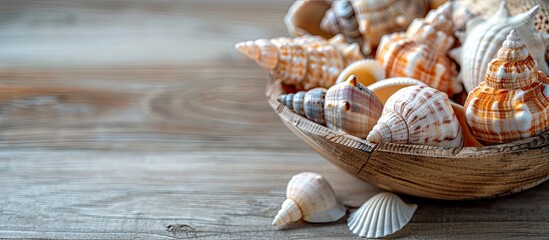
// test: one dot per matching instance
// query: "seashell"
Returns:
(421, 51)
(418, 115)
(305, 62)
(311, 198)
(347, 107)
(304, 18)
(484, 37)
(366, 21)
(513, 101)
(468, 139)
(386, 88)
(367, 71)
(380, 216)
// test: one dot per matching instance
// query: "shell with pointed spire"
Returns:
(513, 101)
(310, 197)
(371, 18)
(380, 216)
(305, 62)
(418, 115)
(348, 107)
(484, 37)
(422, 51)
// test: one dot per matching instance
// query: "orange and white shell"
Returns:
(305, 62)
(513, 101)
(311, 198)
(366, 21)
(422, 51)
(484, 37)
(348, 107)
(418, 115)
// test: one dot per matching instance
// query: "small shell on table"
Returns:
(311, 198)
(418, 115)
(386, 88)
(484, 37)
(422, 51)
(304, 18)
(513, 102)
(305, 62)
(371, 18)
(347, 107)
(380, 216)
(367, 71)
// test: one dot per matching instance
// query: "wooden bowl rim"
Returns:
(274, 89)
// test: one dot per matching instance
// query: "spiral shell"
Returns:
(347, 107)
(304, 18)
(422, 51)
(311, 198)
(484, 37)
(513, 101)
(418, 115)
(380, 216)
(366, 21)
(305, 62)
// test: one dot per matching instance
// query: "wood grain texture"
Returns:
(119, 118)
(462, 173)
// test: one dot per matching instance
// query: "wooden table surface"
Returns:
(119, 118)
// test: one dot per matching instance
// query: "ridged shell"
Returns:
(372, 18)
(380, 216)
(513, 102)
(367, 71)
(305, 62)
(311, 198)
(304, 18)
(484, 37)
(386, 88)
(348, 107)
(421, 52)
(351, 108)
(418, 115)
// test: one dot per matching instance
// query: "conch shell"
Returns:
(483, 38)
(347, 107)
(366, 21)
(305, 62)
(421, 52)
(380, 216)
(418, 115)
(311, 198)
(513, 102)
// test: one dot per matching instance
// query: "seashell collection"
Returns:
(425, 54)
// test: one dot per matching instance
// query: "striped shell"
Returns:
(380, 216)
(305, 62)
(513, 101)
(418, 115)
(347, 107)
(366, 21)
(484, 37)
(421, 52)
(311, 198)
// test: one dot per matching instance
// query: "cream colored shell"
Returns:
(367, 71)
(484, 37)
(311, 198)
(418, 115)
(380, 216)
(305, 62)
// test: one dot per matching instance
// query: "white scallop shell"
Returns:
(311, 198)
(382, 215)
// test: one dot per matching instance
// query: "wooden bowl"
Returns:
(425, 171)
